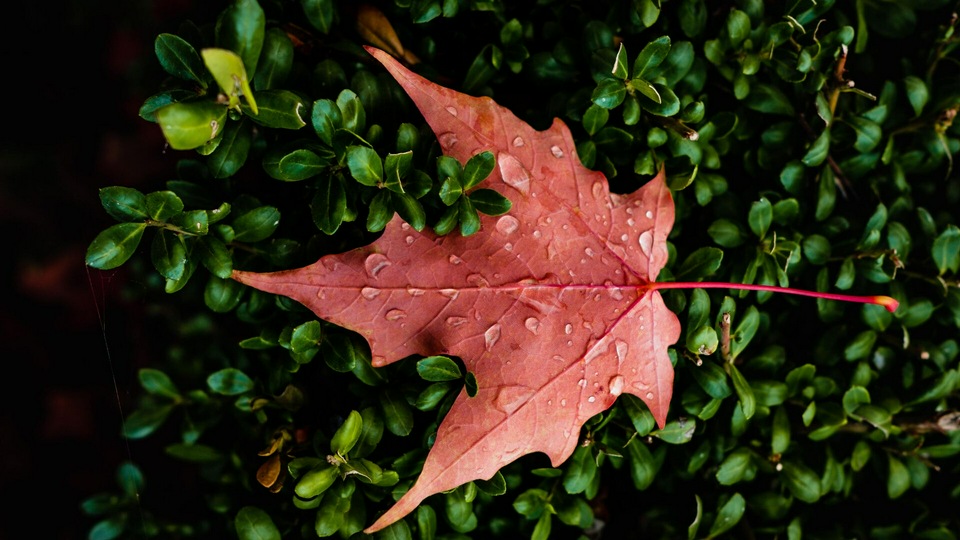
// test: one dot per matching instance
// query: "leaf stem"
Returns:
(887, 302)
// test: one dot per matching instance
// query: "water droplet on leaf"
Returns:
(375, 263)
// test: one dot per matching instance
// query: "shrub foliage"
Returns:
(807, 143)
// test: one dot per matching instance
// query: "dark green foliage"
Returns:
(808, 144)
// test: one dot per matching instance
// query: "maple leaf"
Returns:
(547, 306)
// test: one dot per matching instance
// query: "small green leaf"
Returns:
(609, 93)
(193, 453)
(818, 151)
(477, 169)
(124, 204)
(256, 225)
(326, 119)
(410, 210)
(620, 64)
(114, 246)
(395, 168)
(725, 233)
(168, 254)
(365, 165)
(744, 391)
(438, 369)
(229, 382)
(222, 295)
(917, 93)
(316, 481)
(276, 60)
(347, 434)
(179, 58)
(898, 477)
(580, 470)
(770, 100)
(228, 70)
(946, 250)
(380, 212)
(802, 482)
(397, 415)
(188, 125)
(145, 420)
(157, 382)
(240, 28)
(320, 13)
(699, 264)
(468, 217)
(678, 431)
(280, 109)
(215, 257)
(816, 249)
(490, 202)
(652, 55)
(728, 515)
(253, 523)
(290, 164)
(594, 118)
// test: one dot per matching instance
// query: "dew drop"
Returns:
(532, 324)
(649, 214)
(556, 151)
(582, 383)
(405, 226)
(450, 293)
(568, 329)
(616, 293)
(508, 224)
(624, 237)
(537, 234)
(557, 358)
(452, 111)
(477, 280)
(563, 403)
(616, 385)
(375, 263)
(454, 259)
(415, 292)
(649, 395)
(646, 243)
(589, 252)
(456, 321)
(369, 293)
(591, 399)
(448, 139)
(622, 349)
(409, 240)
(597, 190)
(395, 315)
(631, 222)
(491, 336)
(569, 343)
(566, 433)
(514, 173)
(508, 246)
(518, 141)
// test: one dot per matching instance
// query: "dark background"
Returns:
(75, 75)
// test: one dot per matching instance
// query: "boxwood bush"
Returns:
(807, 143)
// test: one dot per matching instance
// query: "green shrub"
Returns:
(807, 144)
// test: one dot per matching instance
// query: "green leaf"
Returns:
(744, 391)
(163, 205)
(818, 151)
(609, 93)
(467, 215)
(643, 466)
(816, 249)
(145, 420)
(215, 257)
(802, 482)
(123, 203)
(946, 250)
(652, 55)
(725, 233)
(193, 453)
(619, 70)
(868, 133)
(320, 13)
(256, 225)
(397, 415)
(477, 169)
(253, 523)
(228, 70)
(365, 165)
(410, 210)
(594, 118)
(109, 528)
(490, 202)
(188, 125)
(157, 382)
(898, 477)
(294, 164)
(232, 152)
(678, 431)
(229, 382)
(316, 481)
(380, 212)
(396, 167)
(168, 254)
(240, 28)
(737, 466)
(860, 346)
(760, 217)
(347, 434)
(581, 467)
(179, 59)
(780, 439)
(329, 205)
(438, 369)
(351, 110)
(280, 109)
(738, 26)
(728, 515)
(917, 93)
(326, 119)
(306, 336)
(712, 379)
(276, 60)
(668, 104)
(222, 295)
(115, 245)
(770, 100)
(701, 263)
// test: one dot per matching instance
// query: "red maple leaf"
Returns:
(552, 307)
